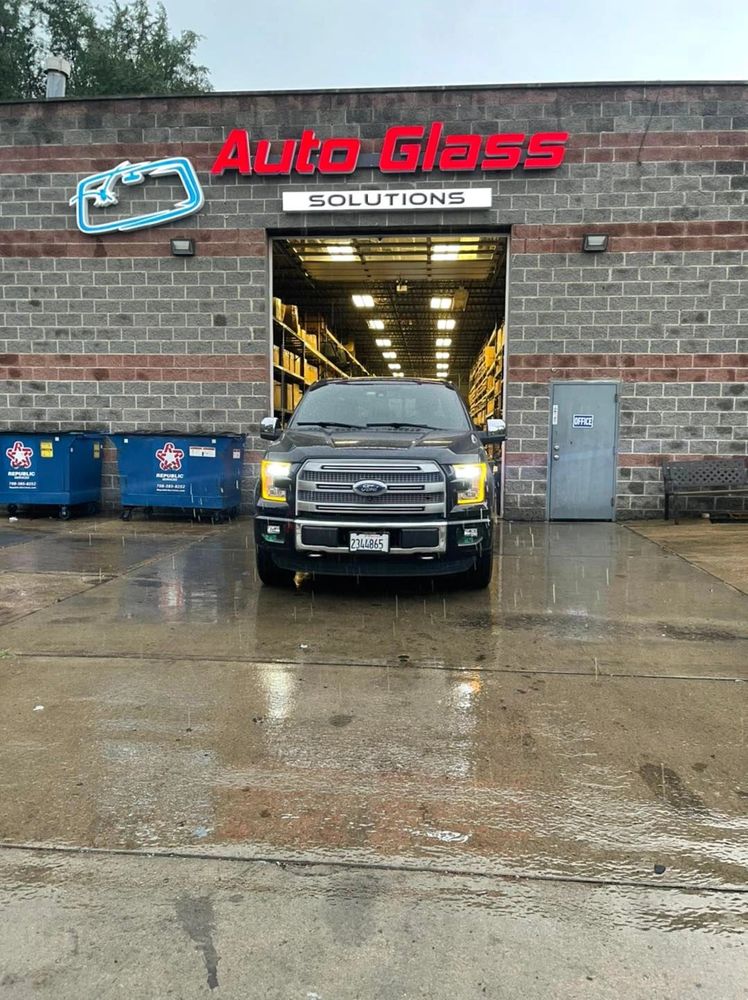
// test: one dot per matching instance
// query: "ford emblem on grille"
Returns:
(370, 488)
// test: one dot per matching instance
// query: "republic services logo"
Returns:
(99, 191)
(19, 455)
(170, 457)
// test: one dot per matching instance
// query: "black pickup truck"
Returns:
(377, 477)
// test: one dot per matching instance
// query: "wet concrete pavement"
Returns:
(719, 549)
(403, 782)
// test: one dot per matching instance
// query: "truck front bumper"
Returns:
(427, 548)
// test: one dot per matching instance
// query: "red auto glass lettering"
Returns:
(546, 150)
(432, 147)
(308, 144)
(350, 148)
(461, 153)
(234, 154)
(403, 158)
(282, 166)
(503, 151)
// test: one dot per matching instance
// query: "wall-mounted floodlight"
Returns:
(183, 248)
(594, 242)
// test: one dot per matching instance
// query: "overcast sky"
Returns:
(298, 44)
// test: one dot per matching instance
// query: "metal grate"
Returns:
(385, 477)
(705, 474)
(348, 498)
(327, 486)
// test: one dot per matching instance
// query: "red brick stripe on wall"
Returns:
(584, 147)
(526, 458)
(632, 147)
(629, 367)
(148, 243)
(634, 236)
(135, 367)
(629, 236)
(651, 461)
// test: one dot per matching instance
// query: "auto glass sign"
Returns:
(100, 191)
(405, 149)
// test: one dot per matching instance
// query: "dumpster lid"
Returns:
(90, 435)
(184, 435)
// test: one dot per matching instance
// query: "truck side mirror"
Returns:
(495, 432)
(270, 429)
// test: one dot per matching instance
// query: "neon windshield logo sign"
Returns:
(99, 191)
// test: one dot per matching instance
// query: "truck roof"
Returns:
(386, 379)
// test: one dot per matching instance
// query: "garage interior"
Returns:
(400, 305)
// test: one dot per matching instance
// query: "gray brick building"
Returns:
(112, 332)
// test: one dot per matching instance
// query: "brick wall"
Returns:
(114, 333)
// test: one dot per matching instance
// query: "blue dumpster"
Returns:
(198, 473)
(59, 470)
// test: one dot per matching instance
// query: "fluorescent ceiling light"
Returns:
(442, 367)
(442, 355)
(394, 367)
(363, 301)
(376, 324)
(343, 253)
(397, 374)
(441, 374)
(383, 342)
(441, 303)
(445, 251)
(446, 324)
(389, 354)
(443, 341)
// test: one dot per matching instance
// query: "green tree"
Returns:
(20, 64)
(125, 49)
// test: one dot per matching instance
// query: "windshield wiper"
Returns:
(328, 423)
(399, 425)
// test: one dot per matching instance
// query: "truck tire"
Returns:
(479, 577)
(270, 574)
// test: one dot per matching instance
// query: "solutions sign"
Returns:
(405, 150)
(388, 200)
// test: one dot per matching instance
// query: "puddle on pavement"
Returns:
(548, 598)
(571, 776)
(195, 741)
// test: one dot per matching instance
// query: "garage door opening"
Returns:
(424, 306)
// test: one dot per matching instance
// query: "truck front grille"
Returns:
(326, 486)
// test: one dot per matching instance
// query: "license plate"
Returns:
(368, 541)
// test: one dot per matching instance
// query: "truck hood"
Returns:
(296, 445)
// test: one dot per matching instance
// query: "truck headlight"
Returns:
(472, 482)
(274, 480)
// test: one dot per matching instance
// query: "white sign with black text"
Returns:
(387, 200)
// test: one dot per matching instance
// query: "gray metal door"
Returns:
(583, 451)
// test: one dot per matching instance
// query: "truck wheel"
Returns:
(479, 577)
(270, 574)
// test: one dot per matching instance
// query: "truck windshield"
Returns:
(385, 405)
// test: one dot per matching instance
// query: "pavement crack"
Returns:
(411, 665)
(326, 865)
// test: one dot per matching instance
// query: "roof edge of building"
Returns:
(421, 88)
